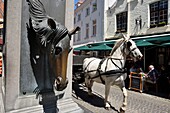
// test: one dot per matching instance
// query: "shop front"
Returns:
(156, 51)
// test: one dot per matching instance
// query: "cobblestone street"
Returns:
(137, 102)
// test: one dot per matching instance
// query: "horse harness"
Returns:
(110, 72)
(107, 73)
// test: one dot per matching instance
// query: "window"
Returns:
(79, 17)
(121, 22)
(87, 11)
(87, 30)
(94, 7)
(159, 13)
(74, 39)
(94, 27)
(78, 36)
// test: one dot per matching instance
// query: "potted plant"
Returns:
(162, 23)
(152, 25)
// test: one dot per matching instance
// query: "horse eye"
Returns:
(58, 50)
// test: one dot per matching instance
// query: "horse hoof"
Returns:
(122, 111)
(107, 108)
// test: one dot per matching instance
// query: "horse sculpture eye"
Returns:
(58, 50)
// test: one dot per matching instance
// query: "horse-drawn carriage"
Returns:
(78, 68)
(110, 70)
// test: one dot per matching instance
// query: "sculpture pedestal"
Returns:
(19, 78)
(65, 106)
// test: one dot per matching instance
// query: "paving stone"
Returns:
(137, 102)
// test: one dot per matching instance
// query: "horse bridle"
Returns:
(130, 51)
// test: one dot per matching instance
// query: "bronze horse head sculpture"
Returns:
(49, 48)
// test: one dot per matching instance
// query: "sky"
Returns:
(110, 2)
(75, 1)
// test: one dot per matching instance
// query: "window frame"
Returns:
(87, 11)
(158, 13)
(79, 35)
(78, 17)
(87, 30)
(94, 6)
(94, 26)
(121, 22)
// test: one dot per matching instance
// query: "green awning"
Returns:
(82, 48)
(140, 41)
(165, 44)
(155, 40)
(102, 47)
(144, 43)
(159, 40)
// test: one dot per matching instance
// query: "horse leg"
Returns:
(123, 108)
(89, 84)
(107, 90)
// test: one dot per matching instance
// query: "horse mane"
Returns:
(37, 10)
(116, 45)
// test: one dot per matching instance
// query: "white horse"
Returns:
(111, 71)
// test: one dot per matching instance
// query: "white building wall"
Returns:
(98, 15)
(135, 9)
(106, 19)
(139, 8)
(120, 6)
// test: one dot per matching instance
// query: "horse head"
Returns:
(130, 49)
(49, 48)
(126, 47)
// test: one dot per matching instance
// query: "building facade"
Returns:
(91, 16)
(140, 19)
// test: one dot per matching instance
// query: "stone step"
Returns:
(64, 106)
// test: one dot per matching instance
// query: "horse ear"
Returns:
(126, 37)
(51, 23)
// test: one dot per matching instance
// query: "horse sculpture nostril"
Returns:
(58, 80)
(60, 84)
